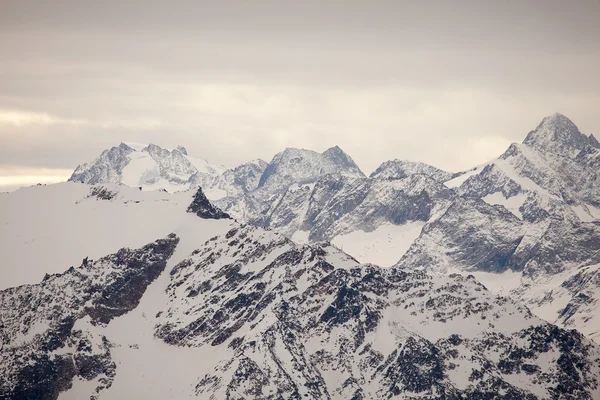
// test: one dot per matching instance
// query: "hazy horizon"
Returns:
(451, 85)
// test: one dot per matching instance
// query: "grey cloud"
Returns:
(449, 83)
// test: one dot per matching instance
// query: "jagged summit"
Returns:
(336, 154)
(151, 166)
(202, 207)
(399, 169)
(272, 318)
(305, 166)
(557, 133)
(107, 168)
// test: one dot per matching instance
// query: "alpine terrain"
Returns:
(153, 274)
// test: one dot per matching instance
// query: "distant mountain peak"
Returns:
(336, 154)
(125, 146)
(399, 169)
(106, 168)
(334, 150)
(558, 134)
(182, 150)
(302, 166)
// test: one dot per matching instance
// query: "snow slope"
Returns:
(383, 247)
(46, 229)
(152, 167)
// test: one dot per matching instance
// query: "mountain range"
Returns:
(153, 274)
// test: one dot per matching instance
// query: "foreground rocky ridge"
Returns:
(310, 322)
(281, 320)
(47, 337)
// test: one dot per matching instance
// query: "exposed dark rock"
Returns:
(202, 207)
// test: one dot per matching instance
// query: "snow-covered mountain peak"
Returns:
(151, 166)
(558, 134)
(399, 169)
(304, 166)
(259, 162)
(339, 156)
(182, 150)
(105, 169)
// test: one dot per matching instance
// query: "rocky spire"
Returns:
(558, 134)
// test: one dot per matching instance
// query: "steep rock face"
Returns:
(153, 167)
(336, 205)
(558, 134)
(549, 185)
(415, 198)
(292, 321)
(344, 162)
(202, 207)
(174, 166)
(587, 180)
(246, 176)
(302, 166)
(470, 234)
(554, 168)
(148, 166)
(239, 180)
(583, 291)
(475, 236)
(106, 169)
(398, 169)
(46, 337)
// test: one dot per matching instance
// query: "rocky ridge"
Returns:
(47, 336)
(310, 322)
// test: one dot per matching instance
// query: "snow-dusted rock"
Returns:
(398, 169)
(292, 321)
(147, 166)
(45, 335)
(153, 167)
(300, 166)
(202, 207)
(108, 168)
(558, 134)
(540, 220)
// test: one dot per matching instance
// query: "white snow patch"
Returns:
(512, 204)
(37, 328)
(459, 180)
(300, 237)
(147, 367)
(214, 193)
(586, 212)
(47, 229)
(384, 246)
(140, 170)
(203, 166)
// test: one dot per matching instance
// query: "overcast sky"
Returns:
(450, 83)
